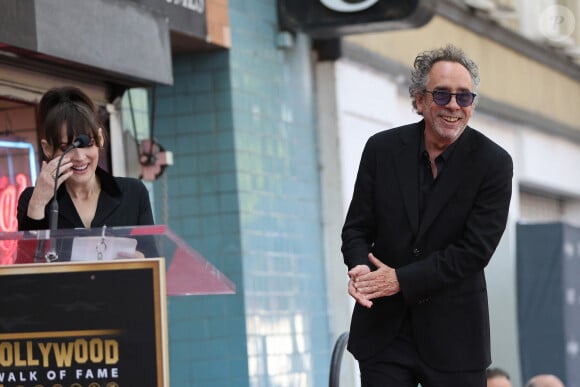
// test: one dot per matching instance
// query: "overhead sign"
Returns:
(348, 6)
(333, 18)
(185, 16)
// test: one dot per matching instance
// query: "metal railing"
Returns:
(336, 360)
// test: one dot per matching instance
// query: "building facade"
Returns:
(266, 122)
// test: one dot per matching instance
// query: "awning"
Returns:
(120, 42)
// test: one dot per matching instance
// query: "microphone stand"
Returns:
(80, 142)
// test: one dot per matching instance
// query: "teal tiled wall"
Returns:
(244, 191)
(198, 194)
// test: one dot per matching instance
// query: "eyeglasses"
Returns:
(442, 97)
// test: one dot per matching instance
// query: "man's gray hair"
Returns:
(425, 61)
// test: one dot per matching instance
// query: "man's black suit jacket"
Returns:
(439, 259)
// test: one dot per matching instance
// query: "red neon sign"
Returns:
(9, 194)
(18, 167)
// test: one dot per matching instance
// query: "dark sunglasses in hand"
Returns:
(442, 97)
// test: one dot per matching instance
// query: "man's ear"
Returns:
(46, 149)
(419, 103)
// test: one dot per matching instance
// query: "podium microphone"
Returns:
(81, 141)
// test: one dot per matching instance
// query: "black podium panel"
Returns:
(83, 324)
(548, 286)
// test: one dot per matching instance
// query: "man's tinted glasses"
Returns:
(442, 97)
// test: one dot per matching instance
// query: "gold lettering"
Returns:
(6, 359)
(63, 354)
(45, 351)
(18, 361)
(111, 351)
(30, 359)
(81, 351)
(96, 350)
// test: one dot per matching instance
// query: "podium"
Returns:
(79, 309)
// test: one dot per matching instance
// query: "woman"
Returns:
(88, 196)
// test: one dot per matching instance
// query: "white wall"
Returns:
(368, 102)
(549, 162)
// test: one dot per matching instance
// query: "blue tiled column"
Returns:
(244, 191)
(207, 336)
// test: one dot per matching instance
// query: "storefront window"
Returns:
(135, 106)
(18, 164)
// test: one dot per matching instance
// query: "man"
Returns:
(545, 380)
(496, 377)
(429, 207)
